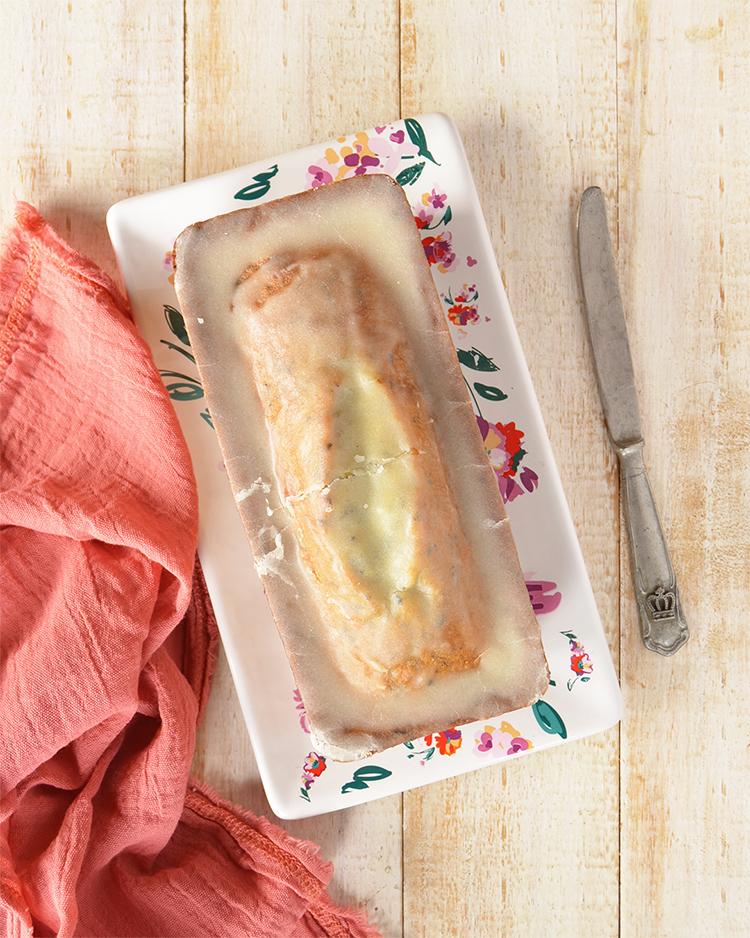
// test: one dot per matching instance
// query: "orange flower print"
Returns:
(448, 742)
(580, 664)
(314, 766)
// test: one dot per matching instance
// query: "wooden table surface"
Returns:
(643, 830)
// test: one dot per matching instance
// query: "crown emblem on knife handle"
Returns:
(663, 625)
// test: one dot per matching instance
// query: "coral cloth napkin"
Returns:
(108, 641)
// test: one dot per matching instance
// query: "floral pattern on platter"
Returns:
(504, 740)
(580, 663)
(503, 443)
(447, 743)
(303, 721)
(438, 249)
(313, 767)
(463, 309)
(542, 596)
(181, 386)
(395, 151)
(382, 151)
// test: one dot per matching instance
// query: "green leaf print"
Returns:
(409, 175)
(259, 187)
(549, 719)
(365, 775)
(417, 137)
(176, 324)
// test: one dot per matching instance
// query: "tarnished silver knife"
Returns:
(662, 623)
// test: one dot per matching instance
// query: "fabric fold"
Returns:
(109, 641)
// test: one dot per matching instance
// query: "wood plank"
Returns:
(263, 79)
(530, 848)
(684, 242)
(92, 100)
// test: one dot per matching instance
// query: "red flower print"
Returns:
(580, 663)
(422, 219)
(439, 251)
(461, 315)
(462, 309)
(503, 445)
(449, 741)
(314, 766)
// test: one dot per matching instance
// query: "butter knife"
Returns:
(663, 625)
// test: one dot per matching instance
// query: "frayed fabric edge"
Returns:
(309, 870)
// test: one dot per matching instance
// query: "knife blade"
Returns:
(663, 625)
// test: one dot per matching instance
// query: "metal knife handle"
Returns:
(662, 623)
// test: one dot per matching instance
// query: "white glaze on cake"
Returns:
(357, 466)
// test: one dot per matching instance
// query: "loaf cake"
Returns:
(357, 467)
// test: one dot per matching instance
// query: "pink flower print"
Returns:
(529, 479)
(509, 489)
(169, 265)
(423, 219)
(485, 742)
(353, 156)
(543, 599)
(437, 199)
(470, 261)
(303, 721)
(317, 176)
(500, 741)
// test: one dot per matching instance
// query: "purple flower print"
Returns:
(529, 479)
(361, 162)
(319, 176)
(543, 599)
(437, 199)
(439, 251)
(504, 740)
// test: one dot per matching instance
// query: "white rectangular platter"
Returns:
(425, 155)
